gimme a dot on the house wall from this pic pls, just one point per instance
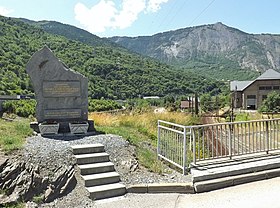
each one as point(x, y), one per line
point(260, 88)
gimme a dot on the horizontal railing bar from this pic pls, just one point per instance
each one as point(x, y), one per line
point(172, 162)
point(170, 129)
point(169, 123)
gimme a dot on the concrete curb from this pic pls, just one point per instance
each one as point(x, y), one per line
point(185, 188)
point(219, 183)
point(203, 186)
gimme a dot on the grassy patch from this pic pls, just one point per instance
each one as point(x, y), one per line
point(13, 134)
point(141, 131)
point(17, 205)
point(39, 199)
point(242, 117)
point(145, 156)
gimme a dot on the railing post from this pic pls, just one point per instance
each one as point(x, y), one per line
point(230, 139)
point(158, 142)
point(194, 147)
point(267, 136)
point(185, 152)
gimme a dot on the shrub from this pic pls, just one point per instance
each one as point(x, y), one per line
point(103, 105)
point(23, 108)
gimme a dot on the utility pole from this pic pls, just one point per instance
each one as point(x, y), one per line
point(196, 103)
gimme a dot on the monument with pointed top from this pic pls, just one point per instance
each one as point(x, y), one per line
point(61, 93)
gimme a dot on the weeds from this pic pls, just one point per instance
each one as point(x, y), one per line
point(13, 134)
point(38, 199)
point(141, 131)
point(17, 205)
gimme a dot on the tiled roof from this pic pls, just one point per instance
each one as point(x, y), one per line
point(239, 85)
point(269, 74)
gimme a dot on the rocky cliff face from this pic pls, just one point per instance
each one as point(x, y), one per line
point(209, 44)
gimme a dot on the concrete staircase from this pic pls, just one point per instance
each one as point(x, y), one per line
point(222, 174)
point(98, 172)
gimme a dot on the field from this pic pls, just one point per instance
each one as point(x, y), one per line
point(13, 134)
point(141, 131)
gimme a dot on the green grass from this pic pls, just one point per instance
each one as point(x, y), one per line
point(39, 199)
point(141, 131)
point(17, 205)
point(145, 156)
point(13, 134)
point(242, 117)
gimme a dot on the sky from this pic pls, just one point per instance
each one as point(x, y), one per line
point(107, 18)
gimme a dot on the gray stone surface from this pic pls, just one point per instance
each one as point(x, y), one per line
point(61, 93)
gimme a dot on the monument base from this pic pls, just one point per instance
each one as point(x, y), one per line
point(63, 127)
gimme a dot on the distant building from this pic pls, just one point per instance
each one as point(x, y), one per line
point(186, 104)
point(189, 103)
point(151, 97)
point(250, 94)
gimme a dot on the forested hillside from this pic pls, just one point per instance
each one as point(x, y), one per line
point(70, 32)
point(112, 72)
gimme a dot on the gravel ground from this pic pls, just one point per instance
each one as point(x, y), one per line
point(52, 153)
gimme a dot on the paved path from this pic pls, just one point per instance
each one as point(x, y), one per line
point(261, 194)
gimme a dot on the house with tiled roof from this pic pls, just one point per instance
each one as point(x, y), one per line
point(250, 94)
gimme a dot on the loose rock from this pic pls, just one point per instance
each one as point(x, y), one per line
point(51, 162)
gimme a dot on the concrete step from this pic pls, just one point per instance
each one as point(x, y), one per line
point(106, 191)
point(92, 158)
point(234, 168)
point(101, 179)
point(209, 185)
point(87, 148)
point(103, 167)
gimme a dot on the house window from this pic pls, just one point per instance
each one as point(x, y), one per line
point(264, 97)
point(251, 96)
point(268, 87)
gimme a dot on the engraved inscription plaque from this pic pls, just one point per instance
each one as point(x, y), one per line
point(63, 113)
point(61, 89)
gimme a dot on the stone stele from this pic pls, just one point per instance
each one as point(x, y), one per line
point(61, 93)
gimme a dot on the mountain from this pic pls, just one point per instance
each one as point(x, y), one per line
point(209, 48)
point(112, 72)
point(70, 32)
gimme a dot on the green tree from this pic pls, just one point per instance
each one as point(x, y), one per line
point(206, 102)
point(271, 104)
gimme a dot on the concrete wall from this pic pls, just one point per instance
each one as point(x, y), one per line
point(254, 90)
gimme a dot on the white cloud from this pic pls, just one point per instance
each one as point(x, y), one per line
point(154, 5)
point(4, 11)
point(106, 15)
point(98, 18)
point(129, 13)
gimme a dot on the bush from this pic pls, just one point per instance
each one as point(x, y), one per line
point(23, 108)
point(271, 104)
point(103, 105)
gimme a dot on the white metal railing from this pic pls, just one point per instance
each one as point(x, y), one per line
point(172, 144)
point(183, 145)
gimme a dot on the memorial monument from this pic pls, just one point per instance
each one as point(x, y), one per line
point(61, 95)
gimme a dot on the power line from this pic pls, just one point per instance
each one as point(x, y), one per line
point(178, 11)
point(202, 12)
point(168, 14)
